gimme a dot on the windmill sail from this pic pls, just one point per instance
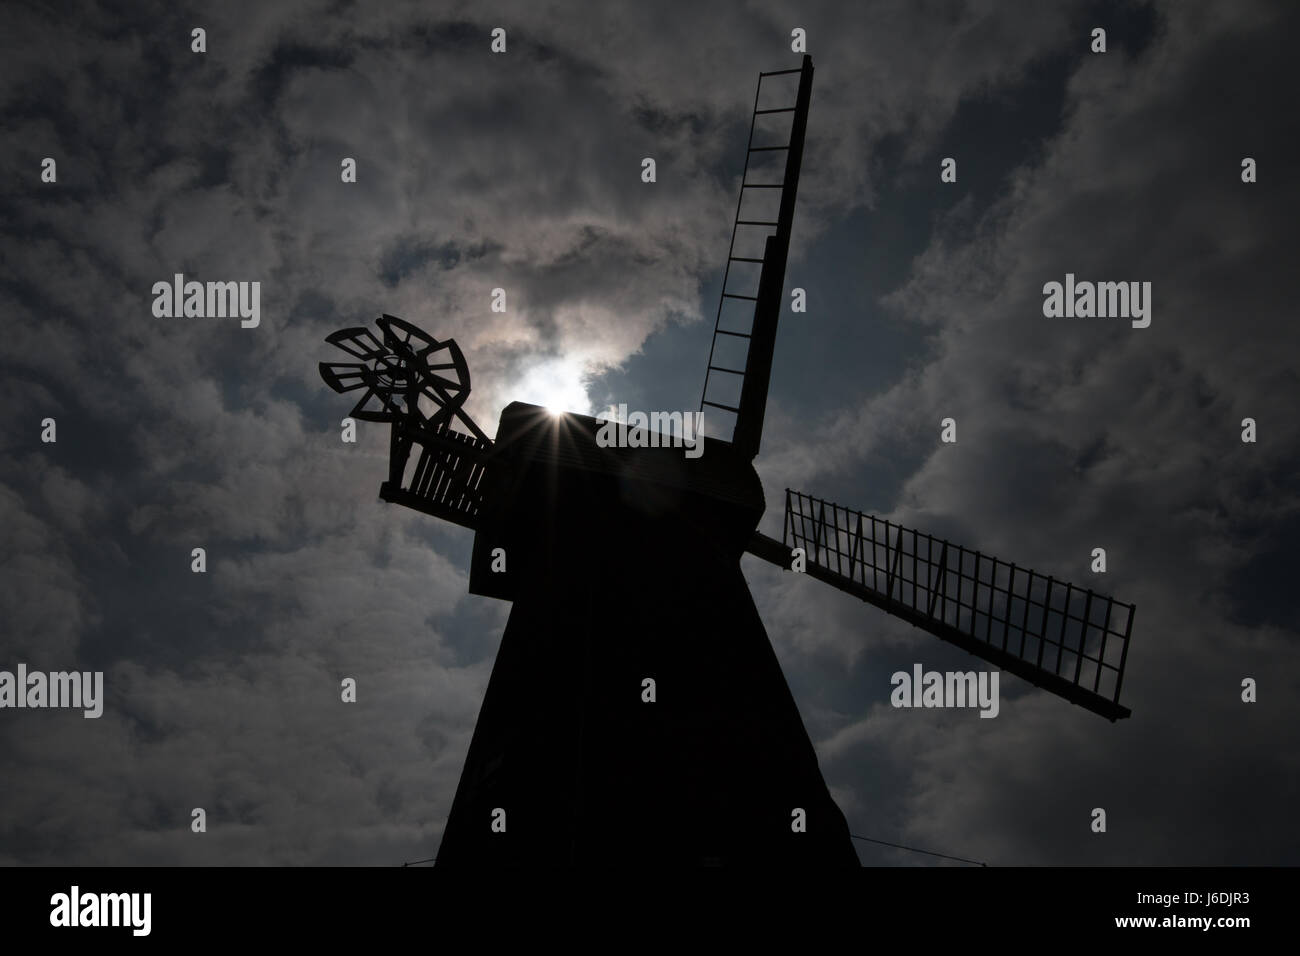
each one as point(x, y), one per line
point(1069, 640)
point(744, 332)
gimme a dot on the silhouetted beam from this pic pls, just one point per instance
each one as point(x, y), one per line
point(436, 508)
point(769, 549)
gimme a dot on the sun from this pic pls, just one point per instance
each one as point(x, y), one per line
point(558, 385)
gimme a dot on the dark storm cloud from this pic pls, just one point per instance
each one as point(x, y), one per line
point(1075, 434)
point(523, 172)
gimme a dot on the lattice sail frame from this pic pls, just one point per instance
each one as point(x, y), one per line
point(1066, 639)
point(736, 386)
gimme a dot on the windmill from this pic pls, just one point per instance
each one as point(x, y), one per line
point(636, 707)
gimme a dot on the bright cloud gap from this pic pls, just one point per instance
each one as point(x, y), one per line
point(558, 385)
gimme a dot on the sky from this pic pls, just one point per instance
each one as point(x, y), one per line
point(522, 170)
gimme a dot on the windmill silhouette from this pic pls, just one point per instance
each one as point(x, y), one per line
point(636, 707)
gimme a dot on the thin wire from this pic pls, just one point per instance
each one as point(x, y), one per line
point(899, 846)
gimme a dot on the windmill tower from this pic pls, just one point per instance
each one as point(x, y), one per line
point(636, 708)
